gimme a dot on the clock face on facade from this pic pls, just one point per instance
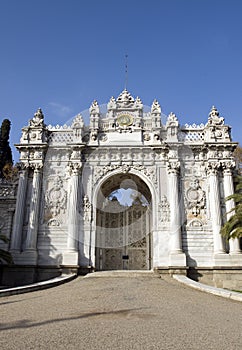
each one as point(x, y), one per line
point(125, 119)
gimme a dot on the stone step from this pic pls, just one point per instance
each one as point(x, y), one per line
point(123, 273)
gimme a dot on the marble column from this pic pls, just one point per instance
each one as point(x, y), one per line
point(215, 207)
point(175, 224)
point(73, 215)
point(31, 239)
point(229, 190)
point(16, 239)
point(176, 257)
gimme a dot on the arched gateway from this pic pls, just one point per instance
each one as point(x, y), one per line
point(123, 225)
point(67, 208)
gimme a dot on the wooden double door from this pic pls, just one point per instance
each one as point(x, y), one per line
point(123, 237)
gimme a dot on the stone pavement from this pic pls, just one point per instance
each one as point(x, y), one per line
point(120, 312)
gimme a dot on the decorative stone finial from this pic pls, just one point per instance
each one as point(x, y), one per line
point(172, 118)
point(77, 122)
point(38, 119)
point(94, 109)
point(112, 103)
point(213, 117)
point(138, 103)
point(155, 108)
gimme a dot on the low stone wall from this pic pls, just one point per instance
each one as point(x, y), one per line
point(14, 276)
point(220, 277)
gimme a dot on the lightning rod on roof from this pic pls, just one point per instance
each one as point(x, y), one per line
point(126, 71)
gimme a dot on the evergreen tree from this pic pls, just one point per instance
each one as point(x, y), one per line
point(5, 150)
point(238, 158)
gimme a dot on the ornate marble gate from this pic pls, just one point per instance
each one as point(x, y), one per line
point(123, 236)
point(55, 217)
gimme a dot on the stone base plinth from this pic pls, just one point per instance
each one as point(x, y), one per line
point(70, 258)
point(235, 259)
point(177, 259)
point(227, 259)
point(28, 257)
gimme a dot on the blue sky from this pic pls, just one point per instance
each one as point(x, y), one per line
point(60, 55)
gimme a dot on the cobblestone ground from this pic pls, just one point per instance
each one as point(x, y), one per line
point(120, 313)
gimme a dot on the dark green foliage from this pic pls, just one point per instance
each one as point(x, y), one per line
point(5, 150)
point(233, 227)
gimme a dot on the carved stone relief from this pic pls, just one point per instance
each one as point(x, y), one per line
point(87, 207)
point(164, 207)
point(125, 168)
point(195, 198)
point(55, 202)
